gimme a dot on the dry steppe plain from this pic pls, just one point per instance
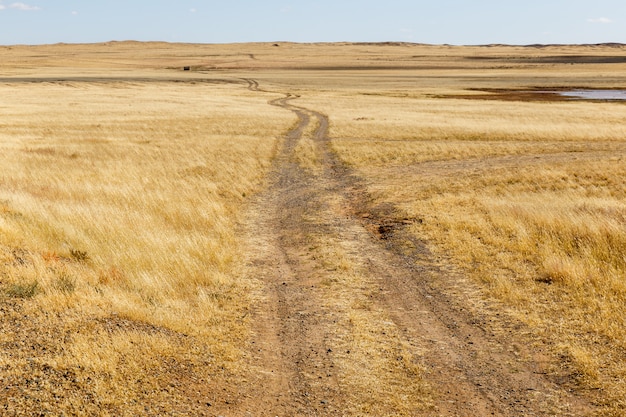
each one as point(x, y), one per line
point(311, 229)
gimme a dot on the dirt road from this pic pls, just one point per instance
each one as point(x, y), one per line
point(354, 316)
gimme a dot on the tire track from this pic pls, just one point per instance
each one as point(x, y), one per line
point(473, 363)
point(292, 331)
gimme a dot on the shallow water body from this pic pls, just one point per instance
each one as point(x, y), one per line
point(595, 94)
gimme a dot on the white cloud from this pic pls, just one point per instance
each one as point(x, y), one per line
point(193, 10)
point(603, 20)
point(2, 7)
point(24, 7)
point(74, 13)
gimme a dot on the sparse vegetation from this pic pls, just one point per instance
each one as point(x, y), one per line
point(26, 290)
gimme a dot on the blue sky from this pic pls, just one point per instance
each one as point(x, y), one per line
point(457, 22)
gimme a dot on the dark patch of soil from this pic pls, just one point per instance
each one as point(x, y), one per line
point(535, 94)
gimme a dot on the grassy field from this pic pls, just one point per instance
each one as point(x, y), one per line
point(119, 202)
point(536, 215)
point(528, 197)
point(123, 181)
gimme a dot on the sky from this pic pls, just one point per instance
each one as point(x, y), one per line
point(456, 22)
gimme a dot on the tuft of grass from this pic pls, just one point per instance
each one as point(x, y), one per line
point(65, 283)
point(79, 255)
point(28, 290)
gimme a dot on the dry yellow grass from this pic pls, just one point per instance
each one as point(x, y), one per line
point(528, 198)
point(118, 208)
point(119, 200)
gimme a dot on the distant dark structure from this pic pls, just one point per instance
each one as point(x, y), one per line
point(186, 68)
point(276, 44)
